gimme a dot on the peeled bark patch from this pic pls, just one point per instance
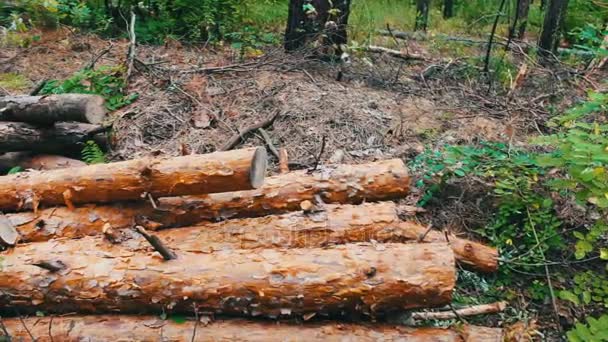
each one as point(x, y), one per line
point(340, 184)
point(353, 278)
point(48, 109)
point(149, 328)
point(130, 180)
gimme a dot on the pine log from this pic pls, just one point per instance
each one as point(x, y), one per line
point(340, 184)
point(336, 224)
point(129, 180)
point(99, 277)
point(48, 109)
point(152, 329)
point(19, 136)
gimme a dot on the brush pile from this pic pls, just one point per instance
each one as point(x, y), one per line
point(208, 236)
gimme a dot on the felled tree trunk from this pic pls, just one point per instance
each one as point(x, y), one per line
point(19, 136)
point(377, 181)
point(93, 276)
point(150, 328)
point(130, 180)
point(48, 109)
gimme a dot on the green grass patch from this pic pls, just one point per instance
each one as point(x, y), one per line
point(14, 82)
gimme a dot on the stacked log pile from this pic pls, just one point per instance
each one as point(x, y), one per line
point(50, 124)
point(207, 236)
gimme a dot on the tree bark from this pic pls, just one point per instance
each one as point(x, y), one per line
point(335, 224)
point(129, 180)
point(99, 277)
point(383, 180)
point(150, 328)
point(48, 109)
point(550, 34)
point(522, 15)
point(18, 136)
point(422, 15)
point(448, 9)
point(329, 17)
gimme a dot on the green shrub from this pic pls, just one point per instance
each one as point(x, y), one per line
point(596, 330)
point(105, 81)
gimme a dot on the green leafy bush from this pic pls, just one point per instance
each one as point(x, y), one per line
point(105, 81)
point(589, 287)
point(596, 330)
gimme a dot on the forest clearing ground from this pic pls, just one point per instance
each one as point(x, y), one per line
point(382, 108)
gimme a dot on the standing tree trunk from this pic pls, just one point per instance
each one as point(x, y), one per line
point(448, 9)
point(93, 276)
point(422, 15)
point(310, 19)
point(549, 37)
point(523, 9)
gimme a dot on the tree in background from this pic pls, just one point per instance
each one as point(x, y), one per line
point(521, 19)
point(550, 34)
point(448, 9)
point(422, 15)
point(313, 19)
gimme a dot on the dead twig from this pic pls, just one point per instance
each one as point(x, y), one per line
point(318, 158)
point(463, 312)
point(4, 331)
point(97, 57)
point(51, 328)
point(426, 232)
point(283, 161)
point(158, 245)
point(393, 53)
point(241, 134)
point(269, 143)
point(38, 87)
point(26, 328)
point(195, 322)
point(132, 42)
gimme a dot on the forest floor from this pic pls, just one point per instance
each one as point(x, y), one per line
point(193, 99)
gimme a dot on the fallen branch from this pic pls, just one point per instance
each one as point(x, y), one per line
point(269, 143)
point(393, 53)
point(464, 312)
point(242, 133)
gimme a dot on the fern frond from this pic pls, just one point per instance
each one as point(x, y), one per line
point(92, 153)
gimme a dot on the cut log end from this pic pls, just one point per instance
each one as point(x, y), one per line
point(95, 110)
point(8, 233)
point(259, 164)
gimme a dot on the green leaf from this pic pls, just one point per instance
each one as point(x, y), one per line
point(569, 296)
point(13, 170)
point(604, 253)
point(179, 319)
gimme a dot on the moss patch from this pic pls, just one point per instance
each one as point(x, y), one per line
point(14, 82)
